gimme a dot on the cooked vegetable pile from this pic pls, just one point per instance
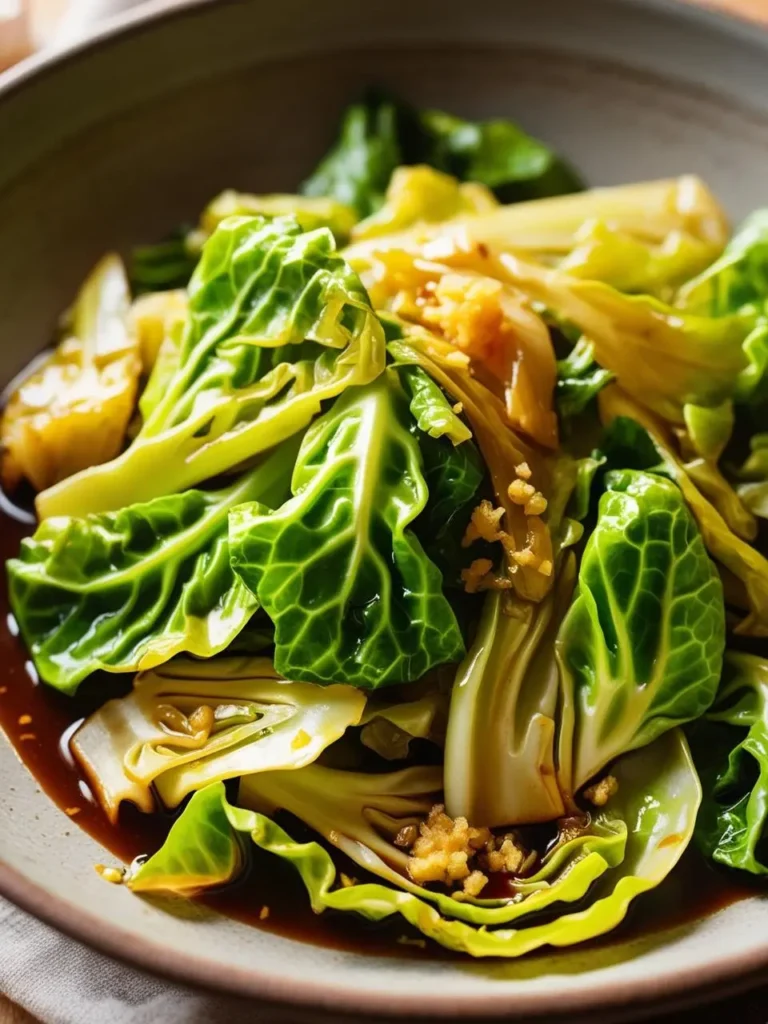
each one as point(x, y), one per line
point(427, 506)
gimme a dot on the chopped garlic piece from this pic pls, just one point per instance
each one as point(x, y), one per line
point(113, 875)
point(506, 854)
point(536, 505)
point(520, 492)
point(601, 792)
point(474, 576)
point(484, 524)
point(475, 883)
point(443, 849)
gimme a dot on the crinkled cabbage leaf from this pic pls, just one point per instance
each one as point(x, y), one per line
point(641, 647)
point(278, 323)
point(453, 471)
point(128, 590)
point(730, 748)
point(738, 278)
point(632, 847)
point(338, 568)
point(430, 408)
point(738, 282)
point(191, 723)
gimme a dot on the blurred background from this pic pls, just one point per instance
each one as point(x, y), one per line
point(27, 25)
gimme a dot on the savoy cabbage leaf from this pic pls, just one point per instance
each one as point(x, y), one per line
point(352, 594)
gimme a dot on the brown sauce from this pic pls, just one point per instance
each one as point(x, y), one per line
point(38, 722)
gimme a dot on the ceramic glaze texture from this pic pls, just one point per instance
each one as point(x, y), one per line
point(119, 140)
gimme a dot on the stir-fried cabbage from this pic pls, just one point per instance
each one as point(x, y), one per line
point(437, 549)
point(746, 564)
point(731, 751)
point(73, 410)
point(123, 591)
point(338, 568)
point(192, 722)
point(278, 323)
point(632, 849)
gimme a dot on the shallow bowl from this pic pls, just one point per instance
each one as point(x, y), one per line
point(121, 138)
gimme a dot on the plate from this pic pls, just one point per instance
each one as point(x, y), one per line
point(120, 138)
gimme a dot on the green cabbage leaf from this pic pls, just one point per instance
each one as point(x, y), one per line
point(278, 323)
point(380, 133)
point(664, 357)
point(579, 380)
point(730, 748)
point(738, 282)
point(641, 647)
point(124, 591)
point(311, 212)
point(500, 751)
point(500, 764)
point(588, 881)
point(655, 215)
point(338, 569)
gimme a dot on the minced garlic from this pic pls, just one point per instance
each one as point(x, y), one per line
point(475, 575)
point(449, 850)
point(520, 492)
point(601, 792)
point(443, 849)
point(484, 524)
point(536, 505)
